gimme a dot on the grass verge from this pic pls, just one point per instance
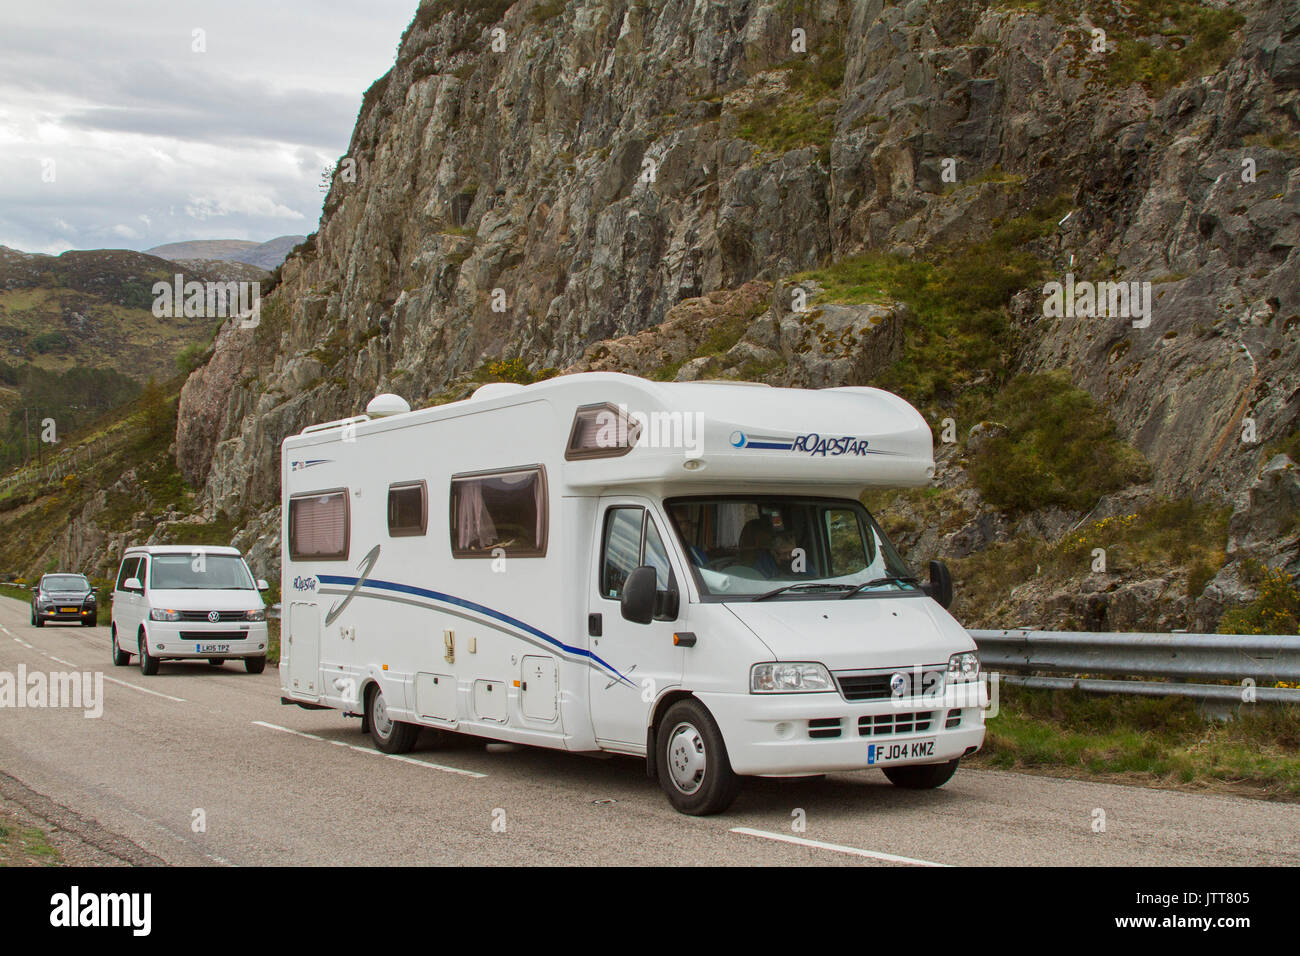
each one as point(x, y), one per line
point(23, 845)
point(1156, 742)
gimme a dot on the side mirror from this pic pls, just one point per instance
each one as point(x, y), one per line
point(132, 584)
point(262, 585)
point(638, 603)
point(939, 586)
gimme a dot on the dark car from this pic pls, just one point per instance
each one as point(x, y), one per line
point(64, 597)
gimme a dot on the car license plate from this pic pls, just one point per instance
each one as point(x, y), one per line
point(67, 610)
point(212, 648)
point(899, 750)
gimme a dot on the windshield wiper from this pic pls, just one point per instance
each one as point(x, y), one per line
point(790, 587)
point(887, 579)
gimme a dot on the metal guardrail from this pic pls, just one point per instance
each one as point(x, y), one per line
point(1162, 659)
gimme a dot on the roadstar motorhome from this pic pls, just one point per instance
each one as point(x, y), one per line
point(680, 571)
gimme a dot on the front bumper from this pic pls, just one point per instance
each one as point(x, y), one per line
point(190, 639)
point(65, 612)
point(819, 733)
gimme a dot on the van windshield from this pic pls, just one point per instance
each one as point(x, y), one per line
point(204, 572)
point(785, 548)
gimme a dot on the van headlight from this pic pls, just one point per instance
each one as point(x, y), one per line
point(258, 615)
point(797, 678)
point(963, 667)
point(164, 614)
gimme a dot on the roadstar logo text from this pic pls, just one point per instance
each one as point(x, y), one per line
point(815, 444)
point(812, 444)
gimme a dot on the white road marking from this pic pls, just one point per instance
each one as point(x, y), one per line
point(60, 660)
point(835, 847)
point(22, 642)
point(143, 690)
point(367, 750)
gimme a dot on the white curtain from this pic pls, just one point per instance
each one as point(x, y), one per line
point(474, 527)
point(730, 522)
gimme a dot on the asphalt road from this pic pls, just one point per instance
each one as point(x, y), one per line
point(285, 786)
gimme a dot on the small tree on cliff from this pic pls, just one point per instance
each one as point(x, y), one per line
point(157, 414)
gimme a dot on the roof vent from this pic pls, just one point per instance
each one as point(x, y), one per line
point(386, 404)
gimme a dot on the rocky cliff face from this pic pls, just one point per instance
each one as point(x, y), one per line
point(606, 184)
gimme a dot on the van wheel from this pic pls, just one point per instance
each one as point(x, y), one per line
point(148, 663)
point(254, 665)
point(694, 770)
point(120, 657)
point(925, 776)
point(390, 736)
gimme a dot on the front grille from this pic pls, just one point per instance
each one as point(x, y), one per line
point(214, 636)
point(824, 727)
point(875, 685)
point(882, 725)
point(222, 615)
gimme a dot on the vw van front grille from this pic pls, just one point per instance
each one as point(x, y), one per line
point(221, 615)
point(215, 636)
point(881, 725)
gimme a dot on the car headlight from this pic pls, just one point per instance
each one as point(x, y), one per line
point(164, 614)
point(90, 599)
point(963, 667)
point(259, 615)
point(798, 678)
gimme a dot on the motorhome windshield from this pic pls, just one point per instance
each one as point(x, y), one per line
point(209, 572)
point(784, 548)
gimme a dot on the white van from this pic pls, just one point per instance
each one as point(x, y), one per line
point(679, 571)
point(184, 602)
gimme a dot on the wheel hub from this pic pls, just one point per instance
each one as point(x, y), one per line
point(687, 761)
point(379, 717)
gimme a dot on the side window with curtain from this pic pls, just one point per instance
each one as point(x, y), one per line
point(318, 526)
point(504, 510)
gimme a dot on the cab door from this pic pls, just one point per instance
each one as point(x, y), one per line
point(634, 663)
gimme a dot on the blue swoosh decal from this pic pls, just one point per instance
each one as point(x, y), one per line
point(356, 583)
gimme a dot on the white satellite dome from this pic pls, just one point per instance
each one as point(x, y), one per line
point(386, 404)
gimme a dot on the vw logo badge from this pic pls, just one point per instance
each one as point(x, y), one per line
point(214, 617)
point(898, 684)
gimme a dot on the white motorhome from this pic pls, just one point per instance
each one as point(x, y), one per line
point(680, 571)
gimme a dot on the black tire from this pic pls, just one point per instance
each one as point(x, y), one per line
point(688, 734)
point(401, 736)
point(38, 622)
point(89, 621)
point(216, 661)
point(254, 665)
point(33, 615)
point(922, 776)
point(148, 663)
point(120, 657)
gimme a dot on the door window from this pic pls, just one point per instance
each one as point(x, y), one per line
point(127, 571)
point(632, 540)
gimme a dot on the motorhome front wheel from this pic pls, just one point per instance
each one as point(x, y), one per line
point(694, 770)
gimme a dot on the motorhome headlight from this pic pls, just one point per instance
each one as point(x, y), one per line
point(795, 678)
point(164, 614)
point(963, 667)
point(258, 615)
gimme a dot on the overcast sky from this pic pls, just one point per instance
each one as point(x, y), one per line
point(148, 141)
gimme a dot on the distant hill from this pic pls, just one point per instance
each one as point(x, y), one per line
point(264, 255)
point(93, 309)
point(78, 335)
